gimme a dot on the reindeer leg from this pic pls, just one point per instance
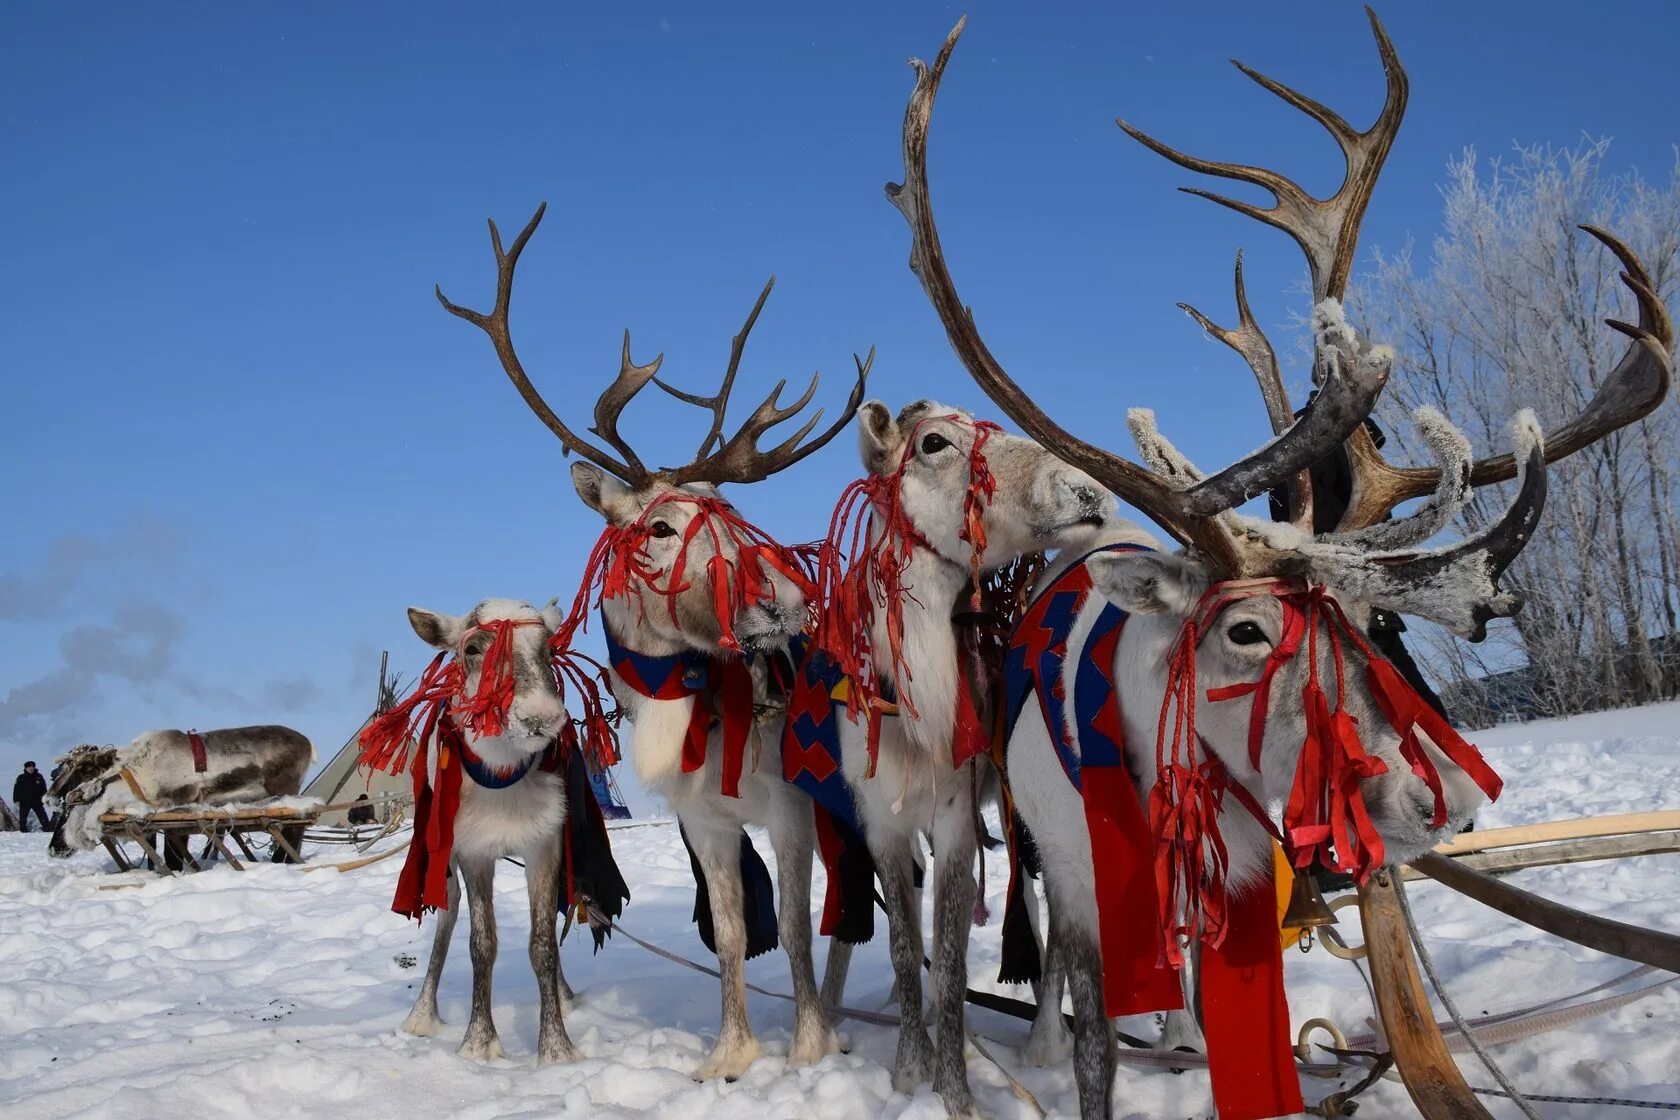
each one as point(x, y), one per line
point(1182, 1030)
point(719, 852)
point(1049, 1043)
point(481, 1043)
point(834, 973)
point(953, 916)
point(423, 1018)
point(1093, 1037)
point(914, 1062)
point(542, 886)
point(567, 995)
point(793, 836)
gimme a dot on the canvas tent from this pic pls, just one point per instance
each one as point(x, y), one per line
point(341, 779)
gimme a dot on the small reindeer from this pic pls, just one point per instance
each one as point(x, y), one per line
point(1250, 612)
point(692, 597)
point(495, 742)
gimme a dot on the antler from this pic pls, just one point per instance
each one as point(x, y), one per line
point(1327, 231)
point(1634, 388)
point(738, 459)
point(1186, 508)
point(631, 377)
point(1249, 341)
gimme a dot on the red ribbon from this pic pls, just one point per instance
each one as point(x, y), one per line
point(861, 569)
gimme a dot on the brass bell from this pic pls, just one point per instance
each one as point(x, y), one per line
point(1307, 907)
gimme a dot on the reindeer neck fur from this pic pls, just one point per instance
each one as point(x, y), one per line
point(930, 649)
point(657, 727)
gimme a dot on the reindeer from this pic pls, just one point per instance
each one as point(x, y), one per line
point(494, 715)
point(691, 597)
point(949, 500)
point(1250, 611)
point(160, 770)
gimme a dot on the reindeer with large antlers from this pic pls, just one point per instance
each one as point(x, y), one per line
point(695, 602)
point(1129, 659)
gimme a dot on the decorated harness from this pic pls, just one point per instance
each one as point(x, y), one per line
point(1160, 877)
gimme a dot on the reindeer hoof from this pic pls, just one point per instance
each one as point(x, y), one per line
point(914, 1066)
point(481, 1048)
point(812, 1047)
point(422, 1023)
point(1048, 1046)
point(730, 1062)
point(554, 1053)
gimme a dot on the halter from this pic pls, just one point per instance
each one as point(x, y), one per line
point(722, 687)
point(1326, 819)
point(619, 564)
point(441, 692)
point(858, 574)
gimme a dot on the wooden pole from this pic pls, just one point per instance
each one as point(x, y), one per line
point(1425, 1064)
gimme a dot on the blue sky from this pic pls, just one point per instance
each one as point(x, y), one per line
point(240, 435)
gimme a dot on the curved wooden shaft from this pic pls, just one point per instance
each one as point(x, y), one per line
point(1646, 946)
point(1420, 1053)
point(1615, 824)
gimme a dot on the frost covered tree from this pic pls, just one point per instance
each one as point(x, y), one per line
point(1504, 312)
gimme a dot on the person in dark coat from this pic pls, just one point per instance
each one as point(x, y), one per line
point(29, 794)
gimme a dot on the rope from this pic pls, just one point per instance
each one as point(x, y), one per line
point(1554, 1098)
point(1511, 1093)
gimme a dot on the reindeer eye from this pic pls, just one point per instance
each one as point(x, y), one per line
point(1246, 633)
point(934, 442)
point(475, 649)
point(661, 529)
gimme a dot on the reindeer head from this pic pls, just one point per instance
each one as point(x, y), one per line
point(692, 574)
point(76, 766)
point(500, 683)
point(677, 565)
point(1259, 610)
point(936, 457)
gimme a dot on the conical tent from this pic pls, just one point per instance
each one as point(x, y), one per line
point(342, 779)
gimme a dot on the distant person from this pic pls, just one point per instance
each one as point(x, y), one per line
point(360, 813)
point(29, 794)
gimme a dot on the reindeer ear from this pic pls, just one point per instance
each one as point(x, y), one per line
point(552, 616)
point(440, 631)
point(879, 440)
point(602, 493)
point(1147, 582)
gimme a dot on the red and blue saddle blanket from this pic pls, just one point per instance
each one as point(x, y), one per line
point(1062, 652)
point(811, 761)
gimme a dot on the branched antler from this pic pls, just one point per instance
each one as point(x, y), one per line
point(1457, 585)
point(737, 459)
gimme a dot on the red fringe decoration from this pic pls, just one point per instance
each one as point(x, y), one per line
point(1326, 820)
point(386, 741)
point(857, 575)
point(620, 556)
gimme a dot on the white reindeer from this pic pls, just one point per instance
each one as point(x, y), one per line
point(510, 782)
point(160, 769)
point(1249, 644)
point(923, 463)
point(690, 597)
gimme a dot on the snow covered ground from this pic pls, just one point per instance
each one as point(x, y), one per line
point(277, 994)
